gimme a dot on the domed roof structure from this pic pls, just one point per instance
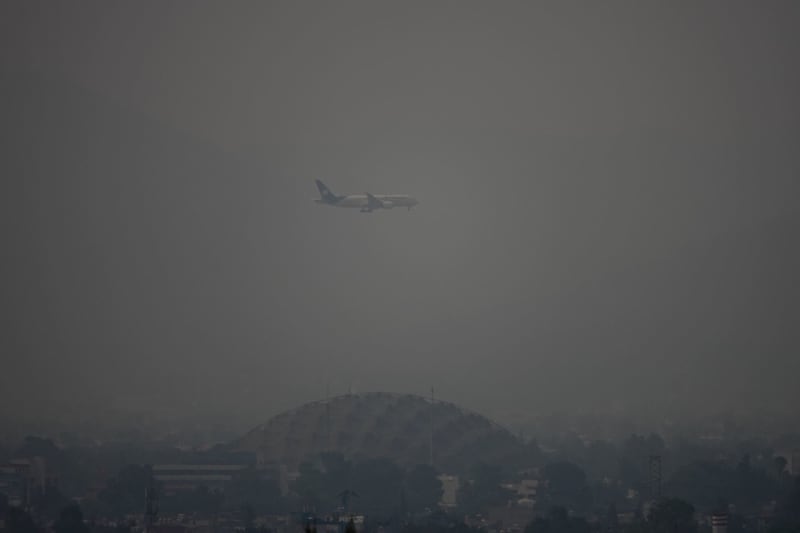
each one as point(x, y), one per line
point(395, 426)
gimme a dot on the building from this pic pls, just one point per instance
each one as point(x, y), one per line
point(449, 490)
point(12, 485)
point(719, 523)
point(179, 478)
point(277, 471)
point(21, 479)
point(527, 490)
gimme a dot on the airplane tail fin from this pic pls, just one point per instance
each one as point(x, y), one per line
point(325, 193)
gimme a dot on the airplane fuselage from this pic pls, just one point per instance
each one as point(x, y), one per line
point(362, 201)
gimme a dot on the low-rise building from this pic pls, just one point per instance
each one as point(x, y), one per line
point(178, 478)
point(449, 490)
point(20, 479)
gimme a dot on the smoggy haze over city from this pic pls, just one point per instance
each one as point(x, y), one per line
point(607, 219)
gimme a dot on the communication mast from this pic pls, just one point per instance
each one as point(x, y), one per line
point(150, 506)
point(430, 458)
point(327, 418)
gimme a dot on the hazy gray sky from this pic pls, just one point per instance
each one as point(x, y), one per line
point(607, 220)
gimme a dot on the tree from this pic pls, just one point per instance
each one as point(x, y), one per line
point(322, 480)
point(779, 463)
point(251, 488)
point(612, 522)
point(39, 447)
point(379, 484)
point(484, 489)
point(248, 516)
point(18, 521)
point(558, 521)
point(704, 483)
point(423, 489)
point(335, 465)
point(567, 484)
point(602, 460)
point(311, 486)
point(71, 521)
point(672, 515)
point(125, 492)
point(200, 500)
point(635, 450)
point(788, 519)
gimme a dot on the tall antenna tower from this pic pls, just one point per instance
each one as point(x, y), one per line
point(327, 418)
point(430, 449)
point(150, 506)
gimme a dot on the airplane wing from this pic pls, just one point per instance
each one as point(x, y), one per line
point(373, 203)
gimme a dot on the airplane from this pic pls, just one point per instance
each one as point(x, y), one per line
point(367, 202)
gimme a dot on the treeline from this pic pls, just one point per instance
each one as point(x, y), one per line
point(586, 479)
